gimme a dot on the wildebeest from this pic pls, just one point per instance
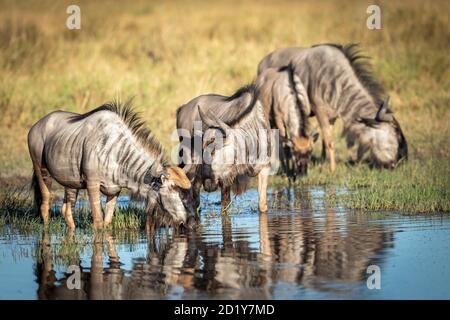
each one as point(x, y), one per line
point(340, 83)
point(244, 149)
point(286, 105)
point(103, 151)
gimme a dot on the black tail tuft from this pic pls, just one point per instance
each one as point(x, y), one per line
point(36, 190)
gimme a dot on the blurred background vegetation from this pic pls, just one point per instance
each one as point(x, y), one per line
point(166, 52)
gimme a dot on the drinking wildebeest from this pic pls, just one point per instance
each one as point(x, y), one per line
point(105, 150)
point(286, 105)
point(240, 123)
point(340, 83)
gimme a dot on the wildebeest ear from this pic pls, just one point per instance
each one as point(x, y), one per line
point(385, 114)
point(211, 121)
point(178, 177)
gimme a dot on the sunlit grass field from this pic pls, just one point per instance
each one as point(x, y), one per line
point(163, 53)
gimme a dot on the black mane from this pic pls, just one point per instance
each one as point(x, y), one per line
point(363, 70)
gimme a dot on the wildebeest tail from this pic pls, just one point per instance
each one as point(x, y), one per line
point(36, 191)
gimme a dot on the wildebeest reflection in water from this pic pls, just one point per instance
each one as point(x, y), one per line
point(323, 250)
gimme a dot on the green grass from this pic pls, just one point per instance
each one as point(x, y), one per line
point(414, 187)
point(17, 212)
point(165, 53)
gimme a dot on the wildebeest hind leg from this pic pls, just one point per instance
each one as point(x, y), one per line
point(44, 182)
point(196, 194)
point(70, 198)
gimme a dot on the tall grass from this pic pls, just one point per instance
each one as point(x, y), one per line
point(166, 52)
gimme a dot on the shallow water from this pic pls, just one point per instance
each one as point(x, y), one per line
point(302, 250)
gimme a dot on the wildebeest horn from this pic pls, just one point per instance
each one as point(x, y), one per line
point(155, 181)
point(212, 121)
point(385, 114)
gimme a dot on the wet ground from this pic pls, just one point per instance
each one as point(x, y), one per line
point(302, 249)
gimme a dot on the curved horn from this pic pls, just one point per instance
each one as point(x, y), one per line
point(385, 114)
point(211, 121)
point(302, 95)
point(153, 179)
point(239, 105)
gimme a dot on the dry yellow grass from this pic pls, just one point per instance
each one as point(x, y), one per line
point(166, 52)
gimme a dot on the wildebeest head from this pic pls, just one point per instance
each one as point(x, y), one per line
point(302, 148)
point(218, 150)
point(174, 196)
point(225, 145)
point(385, 138)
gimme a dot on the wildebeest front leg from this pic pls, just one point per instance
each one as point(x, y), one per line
point(326, 129)
point(70, 198)
point(225, 198)
point(94, 198)
point(324, 151)
point(362, 149)
point(196, 193)
point(109, 209)
point(150, 224)
point(263, 178)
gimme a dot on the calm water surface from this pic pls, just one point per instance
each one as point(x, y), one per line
point(303, 249)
